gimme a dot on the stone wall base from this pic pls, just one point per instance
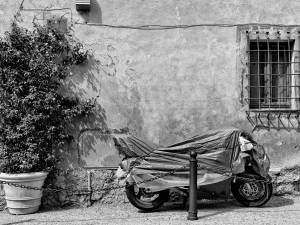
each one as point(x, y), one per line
point(77, 193)
point(286, 181)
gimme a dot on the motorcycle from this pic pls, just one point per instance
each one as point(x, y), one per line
point(230, 162)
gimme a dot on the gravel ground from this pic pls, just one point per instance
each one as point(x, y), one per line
point(279, 210)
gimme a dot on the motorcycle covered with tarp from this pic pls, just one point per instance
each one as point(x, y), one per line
point(229, 162)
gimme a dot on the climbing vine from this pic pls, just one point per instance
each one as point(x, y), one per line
point(33, 113)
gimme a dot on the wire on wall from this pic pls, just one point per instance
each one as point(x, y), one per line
point(186, 26)
point(155, 26)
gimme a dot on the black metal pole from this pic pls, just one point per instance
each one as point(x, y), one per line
point(192, 215)
point(89, 173)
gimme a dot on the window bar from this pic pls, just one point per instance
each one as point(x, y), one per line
point(278, 67)
point(284, 79)
point(277, 50)
point(269, 77)
point(278, 86)
point(279, 97)
point(290, 74)
point(286, 90)
point(258, 69)
point(276, 62)
point(248, 61)
point(288, 78)
point(269, 72)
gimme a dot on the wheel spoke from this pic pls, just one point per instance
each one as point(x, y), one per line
point(252, 190)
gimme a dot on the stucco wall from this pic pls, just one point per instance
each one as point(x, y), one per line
point(167, 84)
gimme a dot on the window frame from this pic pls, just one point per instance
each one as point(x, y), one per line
point(247, 33)
point(269, 71)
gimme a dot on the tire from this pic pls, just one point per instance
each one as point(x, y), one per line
point(138, 198)
point(251, 190)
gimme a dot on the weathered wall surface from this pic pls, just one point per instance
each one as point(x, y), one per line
point(167, 84)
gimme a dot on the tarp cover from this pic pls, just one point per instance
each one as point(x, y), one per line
point(218, 154)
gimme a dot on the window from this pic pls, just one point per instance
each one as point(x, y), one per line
point(273, 80)
point(271, 74)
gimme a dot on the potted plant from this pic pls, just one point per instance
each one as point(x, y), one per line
point(34, 114)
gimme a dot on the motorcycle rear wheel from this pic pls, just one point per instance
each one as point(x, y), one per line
point(251, 190)
point(146, 201)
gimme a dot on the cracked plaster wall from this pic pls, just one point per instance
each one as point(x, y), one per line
point(170, 84)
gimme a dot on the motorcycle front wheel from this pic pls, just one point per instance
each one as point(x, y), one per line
point(146, 201)
point(251, 190)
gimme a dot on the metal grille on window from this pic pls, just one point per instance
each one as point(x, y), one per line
point(273, 79)
point(270, 73)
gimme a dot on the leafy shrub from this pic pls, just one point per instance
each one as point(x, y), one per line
point(33, 114)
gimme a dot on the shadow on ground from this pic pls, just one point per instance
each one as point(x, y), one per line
point(225, 205)
point(278, 201)
point(215, 207)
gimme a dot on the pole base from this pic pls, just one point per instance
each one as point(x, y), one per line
point(192, 216)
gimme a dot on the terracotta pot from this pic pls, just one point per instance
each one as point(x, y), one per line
point(21, 200)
